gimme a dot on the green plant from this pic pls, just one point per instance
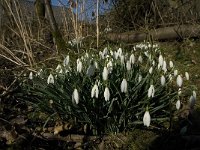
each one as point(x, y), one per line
point(110, 91)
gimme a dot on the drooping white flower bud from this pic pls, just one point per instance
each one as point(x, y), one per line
point(192, 101)
point(179, 81)
point(170, 77)
point(31, 75)
point(171, 65)
point(151, 70)
point(105, 73)
point(151, 91)
point(50, 79)
point(139, 78)
point(95, 91)
point(59, 69)
point(110, 66)
point(164, 66)
point(66, 61)
point(124, 86)
point(122, 58)
point(107, 94)
point(146, 119)
point(162, 80)
point(160, 60)
point(79, 65)
point(178, 104)
point(187, 76)
point(132, 59)
point(140, 59)
point(175, 72)
point(128, 65)
point(119, 51)
point(179, 91)
point(75, 96)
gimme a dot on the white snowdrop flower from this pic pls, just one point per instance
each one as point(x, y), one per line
point(160, 60)
point(119, 51)
point(159, 66)
point(178, 104)
point(124, 86)
point(39, 72)
point(171, 64)
point(146, 119)
point(192, 101)
point(111, 52)
point(179, 91)
point(50, 79)
point(116, 55)
point(187, 76)
point(140, 78)
point(105, 52)
point(90, 70)
point(151, 91)
point(79, 66)
point(107, 94)
point(128, 65)
point(66, 61)
point(59, 69)
point(105, 73)
point(179, 81)
point(96, 65)
point(31, 75)
point(122, 59)
point(132, 59)
point(75, 96)
point(153, 62)
point(194, 94)
point(140, 59)
point(164, 66)
point(95, 91)
point(110, 66)
point(151, 70)
point(175, 72)
point(162, 79)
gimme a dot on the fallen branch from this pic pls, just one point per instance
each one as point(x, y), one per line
point(165, 33)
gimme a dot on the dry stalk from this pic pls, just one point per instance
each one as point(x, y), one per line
point(97, 23)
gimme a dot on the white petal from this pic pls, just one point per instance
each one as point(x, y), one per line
point(75, 96)
point(132, 59)
point(178, 104)
point(105, 73)
point(187, 76)
point(50, 79)
point(192, 101)
point(147, 119)
point(107, 94)
point(179, 81)
point(151, 70)
point(66, 61)
point(160, 60)
point(171, 65)
point(124, 86)
point(31, 75)
point(128, 65)
point(162, 80)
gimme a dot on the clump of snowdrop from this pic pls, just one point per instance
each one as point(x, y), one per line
point(113, 80)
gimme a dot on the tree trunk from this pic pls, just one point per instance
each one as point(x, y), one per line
point(59, 41)
point(166, 33)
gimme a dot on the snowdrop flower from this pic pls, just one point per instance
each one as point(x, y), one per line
point(75, 96)
point(192, 101)
point(160, 60)
point(153, 62)
point(175, 72)
point(179, 81)
point(140, 59)
point(178, 104)
point(140, 78)
point(164, 66)
point(151, 91)
point(151, 70)
point(124, 86)
point(66, 61)
point(122, 59)
point(171, 65)
point(79, 65)
point(50, 79)
point(170, 77)
point(59, 69)
point(128, 65)
point(31, 75)
point(162, 79)
point(107, 94)
point(119, 51)
point(105, 73)
point(132, 59)
point(90, 70)
point(96, 65)
point(95, 91)
point(179, 91)
point(146, 119)
point(110, 66)
point(116, 55)
point(187, 76)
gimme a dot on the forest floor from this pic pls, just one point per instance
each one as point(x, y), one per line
point(15, 125)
